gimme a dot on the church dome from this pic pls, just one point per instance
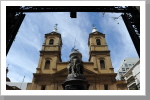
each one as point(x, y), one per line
point(94, 30)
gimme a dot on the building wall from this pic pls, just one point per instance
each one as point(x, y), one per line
point(132, 77)
point(94, 85)
point(126, 65)
point(136, 74)
point(96, 80)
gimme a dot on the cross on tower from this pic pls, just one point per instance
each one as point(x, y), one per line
point(56, 25)
point(55, 28)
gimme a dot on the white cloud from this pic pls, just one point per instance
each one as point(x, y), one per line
point(21, 64)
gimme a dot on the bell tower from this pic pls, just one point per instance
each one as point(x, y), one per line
point(49, 64)
point(50, 53)
point(99, 53)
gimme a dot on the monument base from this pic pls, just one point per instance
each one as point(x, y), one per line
point(78, 83)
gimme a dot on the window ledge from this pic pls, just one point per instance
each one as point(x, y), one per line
point(103, 68)
point(38, 68)
point(54, 68)
point(46, 68)
point(95, 68)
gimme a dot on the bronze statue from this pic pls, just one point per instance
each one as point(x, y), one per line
point(75, 66)
point(75, 79)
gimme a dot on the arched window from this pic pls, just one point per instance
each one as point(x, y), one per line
point(102, 64)
point(51, 41)
point(98, 42)
point(47, 64)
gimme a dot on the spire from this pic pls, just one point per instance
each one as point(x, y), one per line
point(94, 29)
point(55, 28)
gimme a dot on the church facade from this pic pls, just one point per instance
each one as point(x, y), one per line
point(52, 72)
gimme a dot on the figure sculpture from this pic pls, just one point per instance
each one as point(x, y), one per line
point(75, 79)
point(75, 66)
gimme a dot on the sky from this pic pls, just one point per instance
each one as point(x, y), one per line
point(23, 56)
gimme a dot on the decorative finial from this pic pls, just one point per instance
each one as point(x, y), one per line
point(56, 25)
point(55, 28)
point(94, 29)
point(72, 49)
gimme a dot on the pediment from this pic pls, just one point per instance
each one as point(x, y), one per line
point(89, 72)
point(63, 71)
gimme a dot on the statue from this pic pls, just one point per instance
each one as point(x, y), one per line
point(75, 79)
point(75, 66)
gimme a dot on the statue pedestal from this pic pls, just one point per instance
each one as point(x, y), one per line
point(75, 83)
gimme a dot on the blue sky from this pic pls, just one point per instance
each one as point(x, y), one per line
point(24, 54)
